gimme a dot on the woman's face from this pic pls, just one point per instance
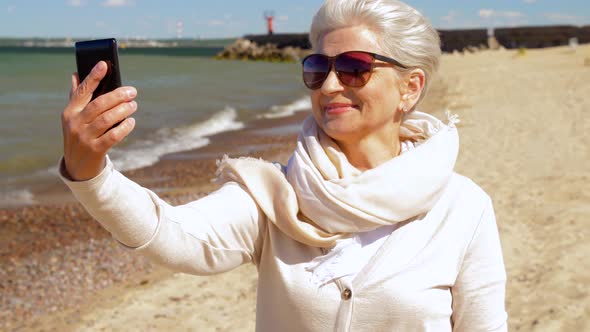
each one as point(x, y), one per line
point(354, 114)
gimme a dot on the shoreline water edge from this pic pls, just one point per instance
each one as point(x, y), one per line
point(183, 100)
point(141, 154)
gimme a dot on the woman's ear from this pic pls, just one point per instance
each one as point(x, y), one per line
point(413, 86)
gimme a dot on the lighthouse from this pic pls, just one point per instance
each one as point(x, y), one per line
point(269, 16)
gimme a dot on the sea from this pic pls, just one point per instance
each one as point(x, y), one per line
point(184, 96)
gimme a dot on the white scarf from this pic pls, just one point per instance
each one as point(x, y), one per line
point(324, 198)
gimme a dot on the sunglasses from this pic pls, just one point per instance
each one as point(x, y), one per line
point(352, 68)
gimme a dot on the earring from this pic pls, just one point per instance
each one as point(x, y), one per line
point(404, 105)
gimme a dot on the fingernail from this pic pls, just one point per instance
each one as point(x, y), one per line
point(131, 92)
point(133, 104)
point(97, 67)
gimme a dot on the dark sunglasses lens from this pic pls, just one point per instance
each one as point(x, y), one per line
point(354, 68)
point(315, 70)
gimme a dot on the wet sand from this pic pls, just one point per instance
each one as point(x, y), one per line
point(524, 139)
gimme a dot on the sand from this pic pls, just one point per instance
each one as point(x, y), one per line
point(524, 139)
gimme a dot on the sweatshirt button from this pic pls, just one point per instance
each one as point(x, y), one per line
point(346, 294)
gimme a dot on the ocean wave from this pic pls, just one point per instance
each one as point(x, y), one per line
point(168, 140)
point(281, 111)
point(16, 198)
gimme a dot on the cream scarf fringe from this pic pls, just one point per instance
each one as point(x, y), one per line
point(324, 198)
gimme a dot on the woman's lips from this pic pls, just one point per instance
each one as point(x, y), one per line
point(338, 108)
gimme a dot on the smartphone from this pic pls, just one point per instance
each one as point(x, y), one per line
point(89, 53)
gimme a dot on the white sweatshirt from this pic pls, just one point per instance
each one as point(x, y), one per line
point(441, 271)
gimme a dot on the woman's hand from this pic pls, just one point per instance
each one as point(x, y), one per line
point(86, 124)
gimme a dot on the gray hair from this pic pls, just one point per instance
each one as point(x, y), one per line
point(405, 34)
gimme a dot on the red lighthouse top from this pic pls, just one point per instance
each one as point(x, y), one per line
point(269, 22)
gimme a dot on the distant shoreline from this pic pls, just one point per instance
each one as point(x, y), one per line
point(123, 42)
point(201, 51)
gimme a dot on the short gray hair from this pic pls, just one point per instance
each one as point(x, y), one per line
point(405, 34)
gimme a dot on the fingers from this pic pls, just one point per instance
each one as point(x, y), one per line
point(83, 91)
point(108, 119)
point(75, 83)
point(114, 136)
point(106, 102)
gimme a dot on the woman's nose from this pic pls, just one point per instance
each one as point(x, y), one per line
point(331, 84)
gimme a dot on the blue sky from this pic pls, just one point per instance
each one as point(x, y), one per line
point(234, 18)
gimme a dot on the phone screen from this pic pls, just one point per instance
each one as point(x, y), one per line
point(89, 53)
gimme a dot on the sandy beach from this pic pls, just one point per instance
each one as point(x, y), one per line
point(524, 139)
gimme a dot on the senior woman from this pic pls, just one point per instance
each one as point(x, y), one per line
point(366, 228)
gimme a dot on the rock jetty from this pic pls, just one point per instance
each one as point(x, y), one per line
point(294, 46)
point(245, 49)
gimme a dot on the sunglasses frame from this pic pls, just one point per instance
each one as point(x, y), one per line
point(332, 61)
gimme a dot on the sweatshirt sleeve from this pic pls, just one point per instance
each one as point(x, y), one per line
point(480, 288)
point(211, 235)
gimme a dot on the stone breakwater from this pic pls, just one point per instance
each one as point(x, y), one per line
point(293, 47)
point(245, 49)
